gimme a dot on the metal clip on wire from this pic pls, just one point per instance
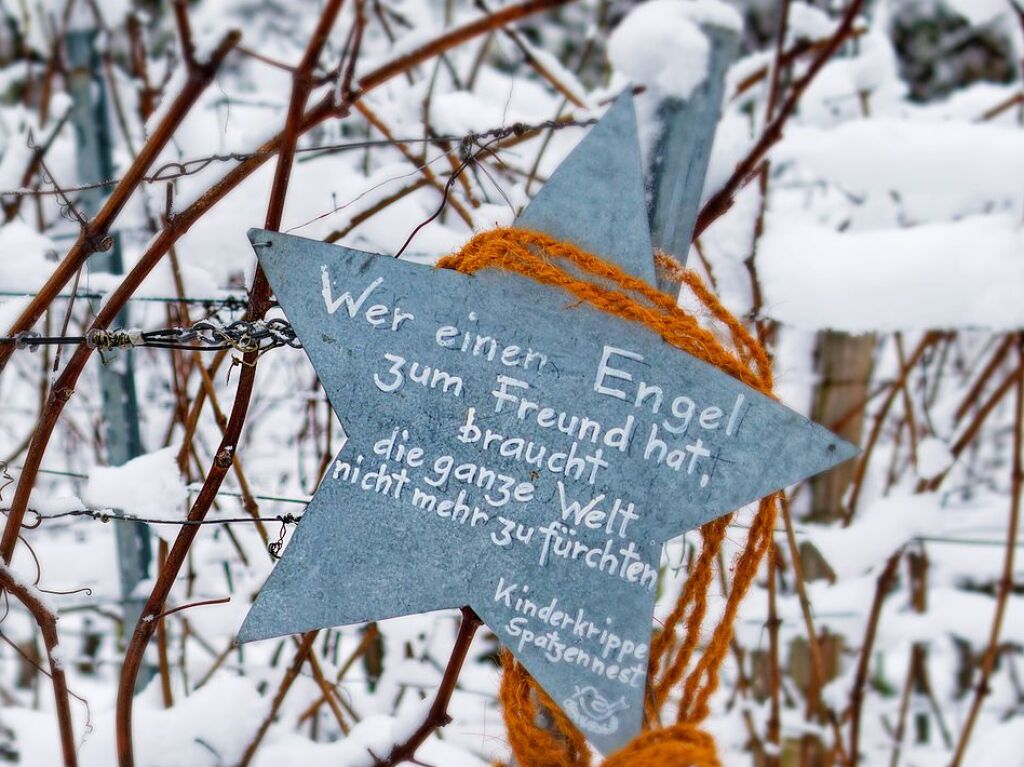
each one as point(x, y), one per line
point(108, 340)
point(24, 340)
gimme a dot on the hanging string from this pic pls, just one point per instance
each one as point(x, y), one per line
point(672, 666)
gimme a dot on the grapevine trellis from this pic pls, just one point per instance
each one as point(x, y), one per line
point(982, 372)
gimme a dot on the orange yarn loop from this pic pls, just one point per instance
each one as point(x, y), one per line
point(535, 745)
point(556, 742)
point(679, 745)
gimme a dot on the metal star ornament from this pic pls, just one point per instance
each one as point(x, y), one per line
point(511, 450)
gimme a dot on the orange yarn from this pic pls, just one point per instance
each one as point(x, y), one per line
point(535, 745)
point(605, 286)
point(679, 745)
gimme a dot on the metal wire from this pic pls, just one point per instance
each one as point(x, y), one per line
point(109, 515)
point(178, 169)
point(206, 335)
point(230, 302)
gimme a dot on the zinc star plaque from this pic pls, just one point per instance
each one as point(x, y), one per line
point(510, 449)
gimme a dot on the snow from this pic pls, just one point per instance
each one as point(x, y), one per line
point(936, 169)
point(210, 727)
point(15, 126)
point(33, 735)
point(149, 486)
point(999, 745)
point(560, 72)
point(373, 737)
point(81, 19)
point(28, 257)
point(61, 656)
point(57, 504)
point(713, 13)
point(197, 282)
point(15, 572)
point(10, 310)
point(955, 613)
point(933, 457)
point(844, 86)
point(659, 45)
point(961, 274)
point(459, 112)
point(877, 532)
point(809, 23)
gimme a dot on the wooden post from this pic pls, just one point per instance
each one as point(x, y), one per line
point(844, 365)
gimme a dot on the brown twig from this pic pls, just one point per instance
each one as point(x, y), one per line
point(884, 585)
point(358, 28)
point(327, 690)
point(774, 724)
point(163, 660)
point(789, 57)
point(971, 430)
point(139, 67)
point(370, 635)
point(190, 605)
point(63, 388)
point(535, 63)
point(1005, 587)
point(54, 64)
point(818, 676)
point(722, 200)
point(876, 429)
point(428, 175)
point(974, 393)
point(47, 623)
point(305, 647)
point(188, 48)
point(246, 51)
point(94, 235)
point(774, 90)
point(437, 716)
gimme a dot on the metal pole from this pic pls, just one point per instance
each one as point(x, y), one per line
point(120, 408)
point(680, 152)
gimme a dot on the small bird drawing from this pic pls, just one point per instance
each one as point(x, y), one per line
point(595, 706)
